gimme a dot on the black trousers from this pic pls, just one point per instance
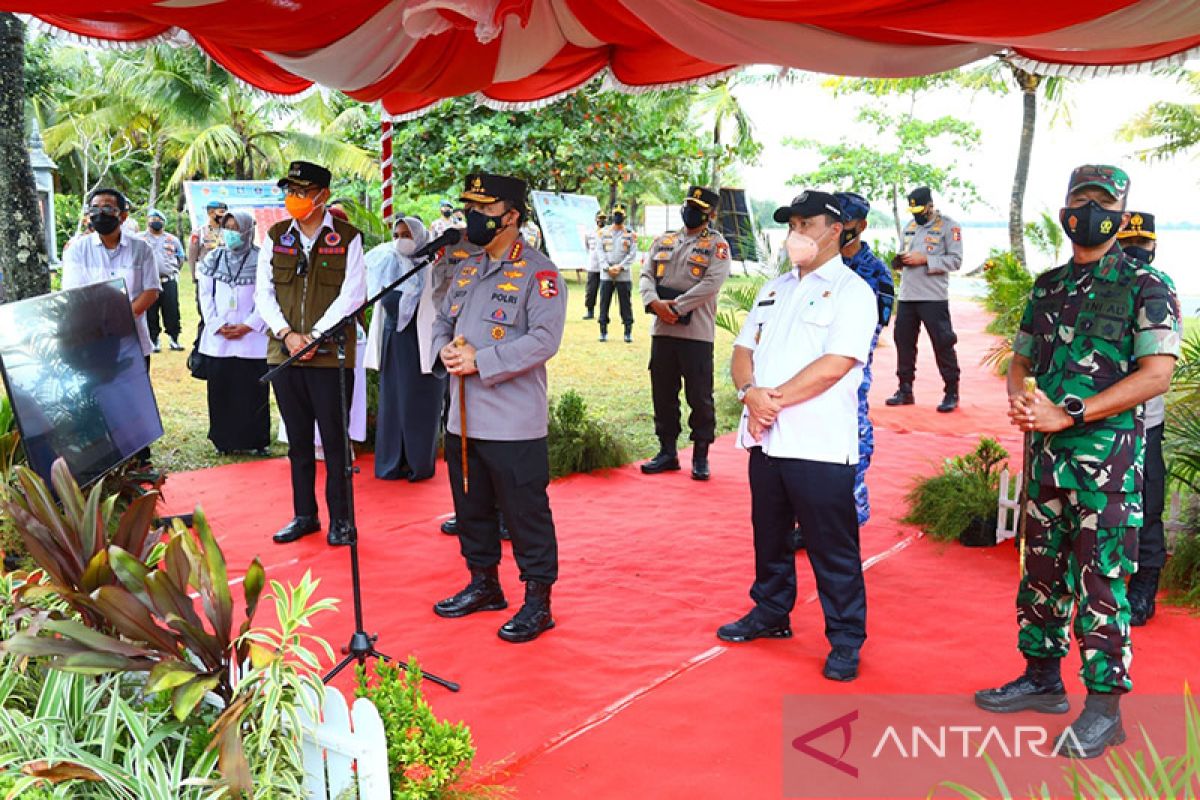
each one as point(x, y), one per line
point(166, 306)
point(623, 289)
point(1152, 546)
point(821, 497)
point(589, 295)
point(512, 477)
point(306, 395)
point(935, 315)
point(691, 362)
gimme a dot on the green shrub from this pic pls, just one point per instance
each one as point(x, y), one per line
point(963, 495)
point(426, 755)
point(578, 443)
point(1008, 287)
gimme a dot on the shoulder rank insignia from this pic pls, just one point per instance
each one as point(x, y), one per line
point(514, 273)
point(516, 250)
point(463, 282)
point(547, 284)
point(460, 254)
point(508, 287)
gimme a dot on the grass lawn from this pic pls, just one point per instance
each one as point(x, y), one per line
point(612, 378)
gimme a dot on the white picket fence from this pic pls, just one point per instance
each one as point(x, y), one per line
point(345, 752)
point(1009, 511)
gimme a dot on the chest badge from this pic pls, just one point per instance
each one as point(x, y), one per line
point(333, 239)
point(508, 286)
point(499, 315)
point(498, 332)
point(287, 240)
point(514, 273)
point(463, 282)
point(547, 284)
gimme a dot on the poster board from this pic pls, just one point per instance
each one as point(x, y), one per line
point(263, 198)
point(565, 219)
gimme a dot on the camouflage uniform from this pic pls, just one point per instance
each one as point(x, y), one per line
point(871, 269)
point(1083, 330)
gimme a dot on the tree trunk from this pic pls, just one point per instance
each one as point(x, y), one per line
point(716, 159)
point(612, 195)
point(1028, 83)
point(156, 173)
point(896, 218)
point(23, 257)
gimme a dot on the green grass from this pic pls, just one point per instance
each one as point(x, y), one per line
point(611, 377)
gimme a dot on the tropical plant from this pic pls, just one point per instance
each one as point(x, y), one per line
point(1174, 127)
point(1046, 234)
point(962, 496)
point(735, 302)
point(1008, 286)
point(719, 102)
point(578, 443)
point(427, 756)
point(1181, 442)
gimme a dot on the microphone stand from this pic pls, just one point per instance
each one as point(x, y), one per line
point(361, 645)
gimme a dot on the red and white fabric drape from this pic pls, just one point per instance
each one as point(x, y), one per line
point(410, 54)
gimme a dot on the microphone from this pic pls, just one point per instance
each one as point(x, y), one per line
point(451, 236)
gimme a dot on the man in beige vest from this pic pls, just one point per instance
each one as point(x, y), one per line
point(311, 274)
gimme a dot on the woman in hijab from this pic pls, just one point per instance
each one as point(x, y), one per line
point(410, 396)
point(235, 339)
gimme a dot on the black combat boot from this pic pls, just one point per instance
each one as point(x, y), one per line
point(1098, 727)
point(483, 593)
point(949, 399)
point(902, 397)
point(1143, 586)
point(1039, 689)
point(603, 334)
point(628, 334)
point(700, 462)
point(534, 617)
point(667, 460)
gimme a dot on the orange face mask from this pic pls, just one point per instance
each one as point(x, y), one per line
point(299, 207)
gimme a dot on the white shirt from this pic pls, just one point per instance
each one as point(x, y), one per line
point(351, 296)
point(795, 321)
point(225, 303)
point(87, 261)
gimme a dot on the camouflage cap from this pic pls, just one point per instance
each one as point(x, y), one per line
point(1113, 180)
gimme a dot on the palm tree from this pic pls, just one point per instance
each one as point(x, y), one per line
point(1176, 126)
point(720, 104)
point(22, 257)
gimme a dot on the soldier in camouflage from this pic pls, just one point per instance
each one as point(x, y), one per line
point(1100, 335)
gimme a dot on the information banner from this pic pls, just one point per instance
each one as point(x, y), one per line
point(565, 219)
point(262, 198)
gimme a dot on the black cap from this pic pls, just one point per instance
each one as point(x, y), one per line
point(305, 173)
point(703, 197)
point(483, 187)
point(921, 196)
point(619, 208)
point(601, 215)
point(1141, 225)
point(810, 204)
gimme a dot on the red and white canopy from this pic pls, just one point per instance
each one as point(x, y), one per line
point(412, 53)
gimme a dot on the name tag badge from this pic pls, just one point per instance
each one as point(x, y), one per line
point(232, 304)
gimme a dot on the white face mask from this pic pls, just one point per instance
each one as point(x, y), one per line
point(406, 247)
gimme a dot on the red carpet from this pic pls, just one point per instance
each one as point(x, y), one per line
point(632, 695)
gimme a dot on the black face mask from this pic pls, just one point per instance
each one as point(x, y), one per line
point(922, 218)
point(156, 225)
point(481, 228)
point(1140, 253)
point(693, 217)
point(446, 212)
point(104, 224)
point(618, 219)
point(1090, 225)
point(848, 236)
point(601, 222)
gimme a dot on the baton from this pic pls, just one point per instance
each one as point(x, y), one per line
point(1030, 387)
point(459, 341)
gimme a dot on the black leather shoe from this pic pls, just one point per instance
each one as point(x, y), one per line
point(700, 462)
point(748, 628)
point(902, 397)
point(1097, 728)
point(603, 336)
point(450, 527)
point(589, 315)
point(949, 400)
point(341, 533)
point(300, 526)
point(483, 593)
point(1039, 689)
point(663, 462)
point(841, 664)
point(533, 619)
point(1143, 586)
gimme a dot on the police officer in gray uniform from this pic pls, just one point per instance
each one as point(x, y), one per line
point(500, 322)
point(681, 278)
point(1139, 240)
point(591, 243)
point(618, 250)
point(932, 250)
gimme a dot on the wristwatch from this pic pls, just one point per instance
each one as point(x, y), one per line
point(742, 392)
point(1075, 408)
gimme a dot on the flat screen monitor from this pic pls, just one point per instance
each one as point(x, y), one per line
point(76, 377)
